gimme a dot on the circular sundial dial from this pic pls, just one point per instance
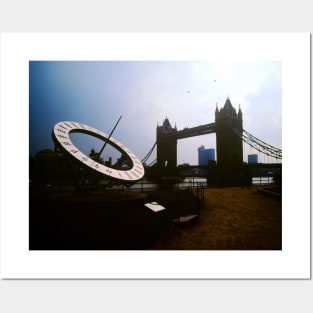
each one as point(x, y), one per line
point(130, 169)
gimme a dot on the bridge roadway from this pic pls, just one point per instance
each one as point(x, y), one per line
point(193, 131)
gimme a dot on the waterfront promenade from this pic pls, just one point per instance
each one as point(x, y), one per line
point(231, 219)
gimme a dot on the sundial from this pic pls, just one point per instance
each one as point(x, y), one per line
point(121, 174)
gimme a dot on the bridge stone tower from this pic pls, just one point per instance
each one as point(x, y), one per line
point(228, 145)
point(166, 145)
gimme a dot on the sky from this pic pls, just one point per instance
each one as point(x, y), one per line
point(144, 93)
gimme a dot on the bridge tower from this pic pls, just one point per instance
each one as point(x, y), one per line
point(228, 145)
point(166, 145)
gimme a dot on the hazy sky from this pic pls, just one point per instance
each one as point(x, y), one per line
point(145, 92)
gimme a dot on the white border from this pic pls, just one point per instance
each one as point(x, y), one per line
point(18, 262)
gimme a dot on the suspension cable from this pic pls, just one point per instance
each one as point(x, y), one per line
point(258, 144)
point(148, 154)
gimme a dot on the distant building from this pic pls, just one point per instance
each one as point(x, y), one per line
point(205, 155)
point(252, 158)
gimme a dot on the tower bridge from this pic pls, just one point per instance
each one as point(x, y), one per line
point(228, 143)
point(230, 137)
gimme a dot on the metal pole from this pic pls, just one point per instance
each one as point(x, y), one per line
point(109, 136)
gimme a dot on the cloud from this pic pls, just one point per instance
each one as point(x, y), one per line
point(145, 92)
